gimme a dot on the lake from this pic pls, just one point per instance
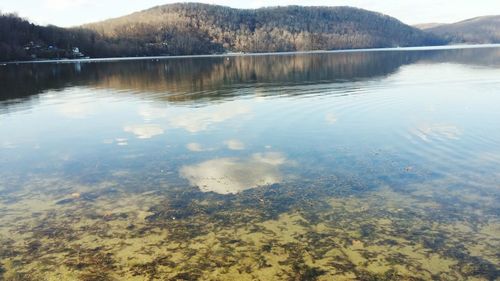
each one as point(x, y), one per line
point(369, 165)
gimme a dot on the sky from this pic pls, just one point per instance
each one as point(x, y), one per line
point(75, 12)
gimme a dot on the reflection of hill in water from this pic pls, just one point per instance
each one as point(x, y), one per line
point(213, 78)
point(218, 78)
point(487, 57)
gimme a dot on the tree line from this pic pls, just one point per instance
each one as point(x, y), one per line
point(192, 28)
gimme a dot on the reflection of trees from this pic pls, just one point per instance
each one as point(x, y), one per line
point(489, 57)
point(214, 78)
point(193, 78)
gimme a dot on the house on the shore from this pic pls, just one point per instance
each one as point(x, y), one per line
point(76, 52)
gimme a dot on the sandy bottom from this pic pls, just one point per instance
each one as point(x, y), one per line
point(280, 232)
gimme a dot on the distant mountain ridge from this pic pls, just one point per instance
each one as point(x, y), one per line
point(480, 30)
point(193, 28)
point(289, 28)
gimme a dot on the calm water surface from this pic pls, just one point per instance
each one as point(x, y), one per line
point(336, 166)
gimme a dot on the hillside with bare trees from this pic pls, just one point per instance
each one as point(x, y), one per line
point(479, 30)
point(192, 28)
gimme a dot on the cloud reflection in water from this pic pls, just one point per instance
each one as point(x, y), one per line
point(446, 131)
point(234, 175)
point(330, 118)
point(75, 110)
point(202, 119)
point(144, 131)
point(234, 144)
point(196, 147)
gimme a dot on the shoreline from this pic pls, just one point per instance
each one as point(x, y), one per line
point(113, 59)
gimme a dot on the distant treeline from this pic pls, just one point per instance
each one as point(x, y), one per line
point(22, 40)
point(184, 29)
point(479, 30)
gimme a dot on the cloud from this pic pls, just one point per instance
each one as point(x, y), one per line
point(144, 131)
point(234, 175)
point(234, 144)
point(202, 119)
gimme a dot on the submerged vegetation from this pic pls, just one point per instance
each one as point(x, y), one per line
point(292, 231)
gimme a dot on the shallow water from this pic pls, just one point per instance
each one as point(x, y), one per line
point(323, 166)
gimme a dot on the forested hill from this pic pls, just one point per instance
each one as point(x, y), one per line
point(476, 30)
point(195, 28)
point(22, 40)
point(191, 28)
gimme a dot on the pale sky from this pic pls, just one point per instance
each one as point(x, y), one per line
point(75, 12)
